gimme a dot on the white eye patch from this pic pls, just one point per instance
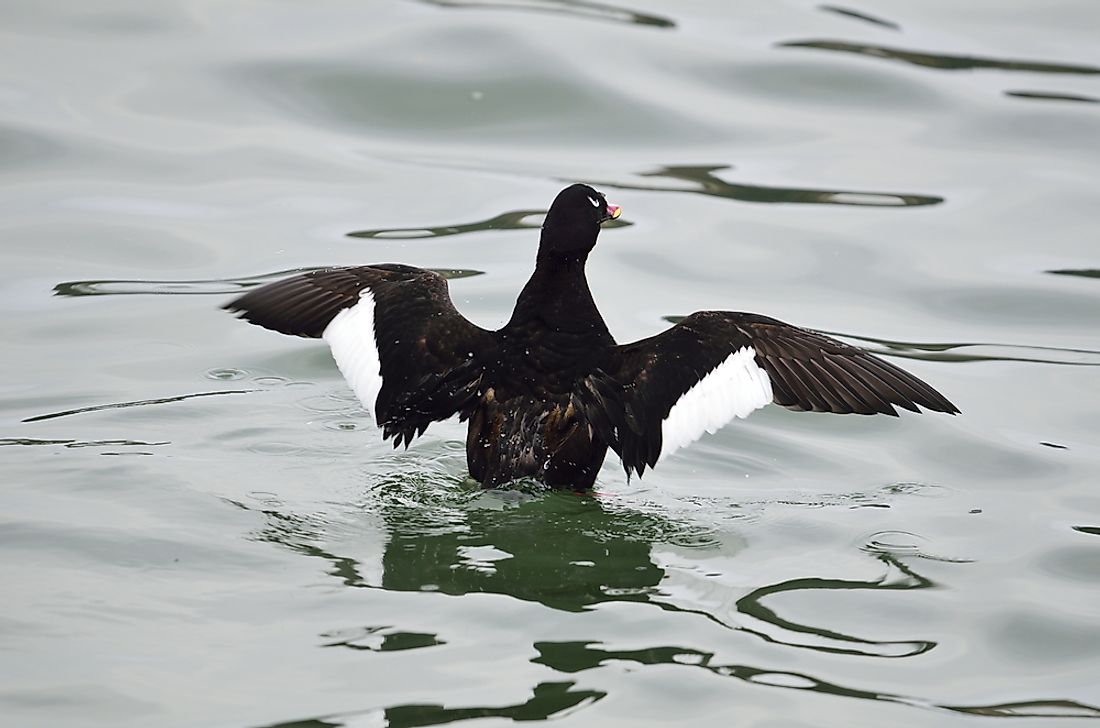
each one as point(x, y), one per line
point(594, 201)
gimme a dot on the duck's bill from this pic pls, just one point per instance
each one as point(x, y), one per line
point(613, 212)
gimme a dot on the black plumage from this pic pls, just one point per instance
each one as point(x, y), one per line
point(551, 391)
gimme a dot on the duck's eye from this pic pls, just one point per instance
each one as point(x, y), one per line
point(594, 201)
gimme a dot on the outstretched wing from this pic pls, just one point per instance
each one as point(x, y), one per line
point(410, 357)
point(658, 394)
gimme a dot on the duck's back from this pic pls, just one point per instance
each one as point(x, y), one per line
point(525, 436)
point(530, 420)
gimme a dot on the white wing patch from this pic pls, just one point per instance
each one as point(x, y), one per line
point(735, 388)
point(350, 335)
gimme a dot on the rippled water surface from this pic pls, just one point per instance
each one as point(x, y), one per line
point(202, 528)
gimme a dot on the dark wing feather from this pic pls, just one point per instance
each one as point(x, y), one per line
point(818, 373)
point(630, 397)
point(429, 354)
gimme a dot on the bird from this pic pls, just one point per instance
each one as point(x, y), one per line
point(548, 394)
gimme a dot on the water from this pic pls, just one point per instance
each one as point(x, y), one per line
point(202, 528)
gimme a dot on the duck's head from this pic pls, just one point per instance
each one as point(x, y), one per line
point(573, 222)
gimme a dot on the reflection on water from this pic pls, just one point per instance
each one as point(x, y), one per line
point(572, 657)
point(513, 220)
point(549, 700)
point(939, 61)
point(577, 8)
point(571, 553)
point(1080, 272)
point(135, 403)
point(380, 639)
point(896, 577)
point(999, 352)
point(705, 182)
point(564, 551)
point(948, 352)
point(78, 443)
point(210, 287)
point(849, 13)
point(439, 539)
point(1050, 96)
point(909, 545)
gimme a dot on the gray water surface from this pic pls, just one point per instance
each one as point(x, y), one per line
point(201, 526)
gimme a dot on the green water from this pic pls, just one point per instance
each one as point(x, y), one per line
point(201, 527)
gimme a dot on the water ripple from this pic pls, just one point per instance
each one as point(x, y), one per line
point(857, 15)
point(942, 62)
point(576, 8)
point(577, 656)
point(380, 639)
point(1052, 96)
point(930, 351)
point(1080, 272)
point(512, 220)
point(897, 577)
point(705, 182)
point(135, 403)
point(78, 443)
point(942, 352)
point(477, 542)
point(208, 287)
point(904, 543)
point(549, 700)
